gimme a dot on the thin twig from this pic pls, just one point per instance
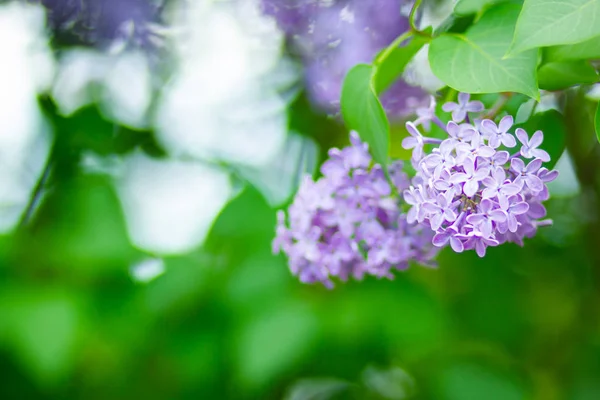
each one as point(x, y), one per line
point(36, 195)
point(500, 103)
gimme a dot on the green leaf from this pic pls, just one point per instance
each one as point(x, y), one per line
point(597, 122)
point(466, 7)
point(474, 62)
point(470, 381)
point(552, 124)
point(543, 23)
point(561, 75)
point(391, 62)
point(589, 49)
point(362, 111)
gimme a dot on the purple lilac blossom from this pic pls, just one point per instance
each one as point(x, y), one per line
point(349, 222)
point(469, 191)
point(334, 35)
point(102, 22)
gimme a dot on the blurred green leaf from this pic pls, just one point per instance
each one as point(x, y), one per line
point(474, 62)
point(589, 49)
point(597, 122)
point(561, 75)
point(468, 381)
point(43, 331)
point(390, 63)
point(542, 23)
point(552, 123)
point(272, 342)
point(363, 112)
point(316, 389)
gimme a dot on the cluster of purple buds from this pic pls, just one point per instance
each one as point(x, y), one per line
point(481, 186)
point(349, 222)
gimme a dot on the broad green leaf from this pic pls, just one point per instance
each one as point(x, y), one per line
point(390, 64)
point(552, 124)
point(545, 23)
point(561, 75)
point(597, 122)
point(362, 111)
point(473, 62)
point(589, 49)
point(466, 7)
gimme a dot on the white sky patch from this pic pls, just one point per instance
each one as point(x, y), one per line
point(26, 69)
point(123, 80)
point(221, 103)
point(170, 205)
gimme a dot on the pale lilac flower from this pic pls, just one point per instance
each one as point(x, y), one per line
point(497, 186)
point(515, 207)
point(448, 236)
point(459, 110)
point(497, 160)
point(530, 146)
point(498, 134)
point(527, 174)
point(471, 177)
point(414, 141)
point(441, 160)
point(458, 133)
point(486, 217)
point(426, 115)
point(473, 149)
point(440, 211)
point(507, 207)
point(349, 224)
point(476, 240)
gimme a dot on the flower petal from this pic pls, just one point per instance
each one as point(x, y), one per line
point(505, 123)
point(541, 154)
point(522, 136)
point(517, 165)
point(519, 208)
point(459, 178)
point(533, 166)
point(449, 106)
point(536, 139)
point(471, 187)
point(509, 140)
point(409, 142)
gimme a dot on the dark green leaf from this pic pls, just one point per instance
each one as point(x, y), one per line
point(474, 62)
point(543, 23)
point(466, 7)
point(561, 75)
point(362, 111)
point(590, 49)
point(454, 24)
point(392, 64)
point(597, 122)
point(552, 123)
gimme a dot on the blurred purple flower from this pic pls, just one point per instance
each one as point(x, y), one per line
point(332, 36)
point(102, 22)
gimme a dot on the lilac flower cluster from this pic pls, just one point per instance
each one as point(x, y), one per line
point(349, 222)
point(331, 36)
point(469, 189)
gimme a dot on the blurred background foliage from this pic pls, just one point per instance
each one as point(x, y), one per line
point(200, 308)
